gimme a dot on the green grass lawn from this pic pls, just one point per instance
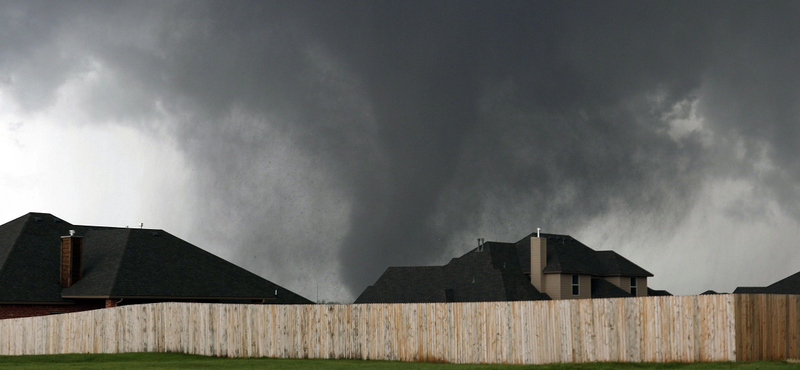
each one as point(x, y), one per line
point(180, 361)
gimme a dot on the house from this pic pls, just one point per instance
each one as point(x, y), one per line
point(789, 285)
point(563, 268)
point(48, 265)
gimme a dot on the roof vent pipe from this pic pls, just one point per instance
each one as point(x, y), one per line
point(537, 231)
point(71, 232)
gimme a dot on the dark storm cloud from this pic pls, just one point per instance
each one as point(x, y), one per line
point(426, 121)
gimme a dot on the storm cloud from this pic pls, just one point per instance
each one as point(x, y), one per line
point(326, 141)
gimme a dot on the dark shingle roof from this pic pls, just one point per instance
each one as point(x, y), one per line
point(612, 264)
point(405, 284)
point(750, 290)
point(657, 293)
point(29, 259)
point(604, 289)
point(121, 262)
point(567, 255)
point(788, 285)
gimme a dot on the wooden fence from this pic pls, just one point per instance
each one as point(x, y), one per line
point(651, 329)
point(767, 327)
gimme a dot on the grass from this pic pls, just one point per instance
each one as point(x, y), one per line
point(181, 361)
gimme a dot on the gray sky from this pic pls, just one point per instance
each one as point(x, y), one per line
point(318, 143)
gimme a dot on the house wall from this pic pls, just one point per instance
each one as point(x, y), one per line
point(552, 285)
point(641, 283)
point(10, 311)
point(585, 284)
point(617, 280)
point(559, 286)
point(624, 282)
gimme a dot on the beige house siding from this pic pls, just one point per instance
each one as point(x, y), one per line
point(586, 286)
point(641, 287)
point(624, 282)
point(552, 285)
point(559, 286)
point(538, 248)
point(616, 280)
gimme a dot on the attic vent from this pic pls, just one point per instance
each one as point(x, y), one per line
point(154, 233)
point(37, 219)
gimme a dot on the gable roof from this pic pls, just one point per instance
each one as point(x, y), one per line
point(788, 285)
point(120, 263)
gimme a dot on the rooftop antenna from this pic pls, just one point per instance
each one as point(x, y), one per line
point(537, 231)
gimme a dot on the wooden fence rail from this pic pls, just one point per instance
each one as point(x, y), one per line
point(649, 329)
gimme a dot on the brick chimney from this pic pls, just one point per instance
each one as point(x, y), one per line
point(538, 261)
point(71, 259)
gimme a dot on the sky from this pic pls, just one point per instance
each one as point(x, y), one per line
point(318, 143)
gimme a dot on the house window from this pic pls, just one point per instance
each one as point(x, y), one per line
point(576, 287)
point(633, 286)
